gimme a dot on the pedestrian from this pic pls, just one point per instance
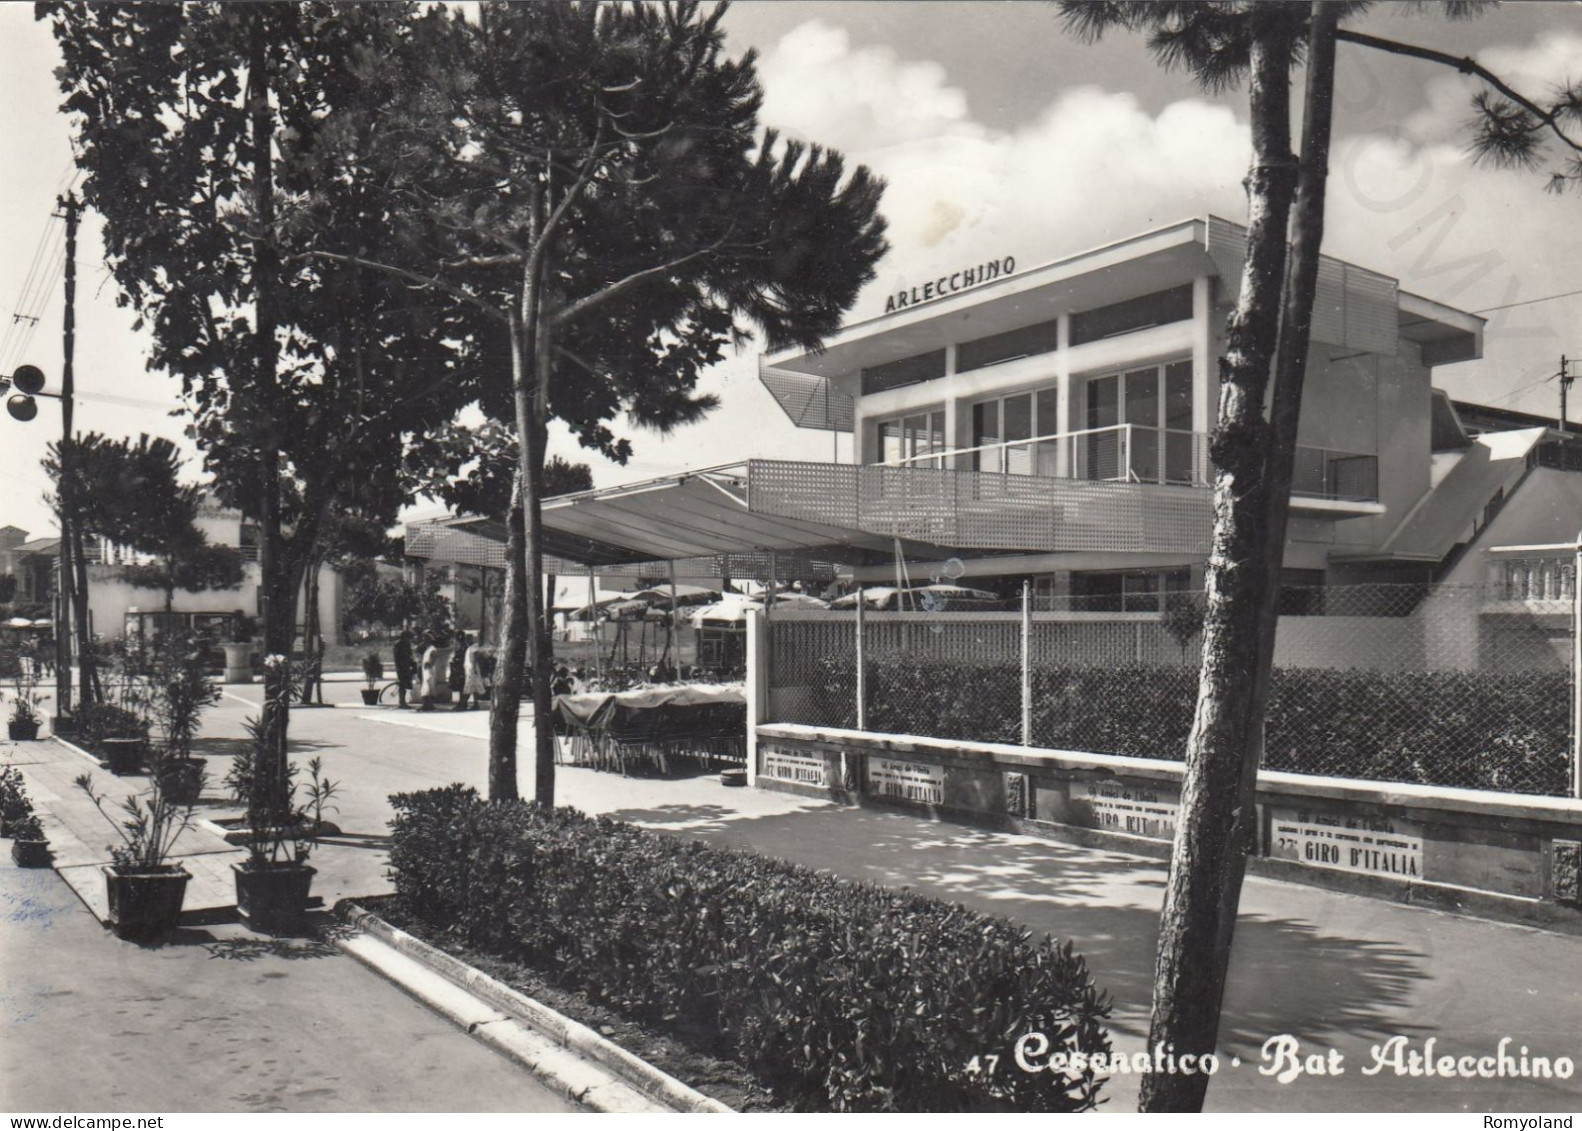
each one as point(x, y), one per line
point(475, 686)
point(46, 656)
point(430, 677)
point(458, 672)
point(28, 653)
point(562, 681)
point(405, 665)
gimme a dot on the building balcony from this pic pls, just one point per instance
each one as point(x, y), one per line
point(1531, 580)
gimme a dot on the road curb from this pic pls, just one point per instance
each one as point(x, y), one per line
point(80, 752)
point(568, 1055)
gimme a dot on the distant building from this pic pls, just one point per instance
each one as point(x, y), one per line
point(31, 562)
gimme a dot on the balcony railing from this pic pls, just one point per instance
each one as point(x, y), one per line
point(1531, 579)
point(1131, 453)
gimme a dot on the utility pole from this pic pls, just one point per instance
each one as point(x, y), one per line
point(1565, 387)
point(71, 209)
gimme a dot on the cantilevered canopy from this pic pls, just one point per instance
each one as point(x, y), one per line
point(687, 516)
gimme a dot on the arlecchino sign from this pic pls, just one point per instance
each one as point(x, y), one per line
point(950, 284)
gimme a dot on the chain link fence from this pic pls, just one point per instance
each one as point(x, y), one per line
point(1465, 686)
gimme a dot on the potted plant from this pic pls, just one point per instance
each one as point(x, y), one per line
point(239, 650)
point(30, 847)
point(182, 690)
point(14, 801)
point(25, 720)
point(373, 672)
point(145, 890)
point(274, 883)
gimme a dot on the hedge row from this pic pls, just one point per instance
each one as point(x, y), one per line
point(839, 996)
point(1476, 730)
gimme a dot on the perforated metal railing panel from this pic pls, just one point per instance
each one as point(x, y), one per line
point(988, 510)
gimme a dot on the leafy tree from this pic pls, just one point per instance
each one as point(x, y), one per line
point(132, 494)
point(592, 180)
point(1260, 42)
point(212, 137)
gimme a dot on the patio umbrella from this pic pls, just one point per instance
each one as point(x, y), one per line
point(686, 595)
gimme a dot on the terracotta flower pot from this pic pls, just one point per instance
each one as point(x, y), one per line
point(23, 732)
point(273, 899)
point(370, 697)
point(125, 755)
point(181, 779)
point(30, 853)
point(145, 904)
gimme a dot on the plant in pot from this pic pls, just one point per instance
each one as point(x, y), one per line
point(29, 846)
point(25, 720)
point(182, 690)
point(117, 734)
point(14, 801)
point(274, 882)
point(145, 889)
point(373, 672)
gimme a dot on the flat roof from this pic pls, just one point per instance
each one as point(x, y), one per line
point(1151, 261)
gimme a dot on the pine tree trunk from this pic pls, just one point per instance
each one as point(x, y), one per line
point(505, 705)
point(1224, 749)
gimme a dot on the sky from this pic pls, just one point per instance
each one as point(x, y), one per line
point(998, 134)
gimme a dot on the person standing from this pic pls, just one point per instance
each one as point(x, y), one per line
point(429, 677)
point(405, 665)
point(475, 686)
point(458, 672)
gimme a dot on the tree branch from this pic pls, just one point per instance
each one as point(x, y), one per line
point(412, 276)
point(1467, 66)
point(588, 302)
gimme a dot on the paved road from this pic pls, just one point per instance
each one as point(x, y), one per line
point(219, 1020)
point(1332, 970)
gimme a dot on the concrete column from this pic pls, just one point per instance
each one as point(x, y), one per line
point(1069, 421)
point(757, 686)
point(1205, 370)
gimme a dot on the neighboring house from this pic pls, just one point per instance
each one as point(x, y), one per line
point(116, 607)
point(31, 562)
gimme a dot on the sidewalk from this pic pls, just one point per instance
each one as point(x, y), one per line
point(1332, 970)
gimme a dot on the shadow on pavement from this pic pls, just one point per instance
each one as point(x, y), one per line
point(1287, 974)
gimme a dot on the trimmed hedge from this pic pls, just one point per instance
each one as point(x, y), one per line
point(1475, 730)
point(837, 995)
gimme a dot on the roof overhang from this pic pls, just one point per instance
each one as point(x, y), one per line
point(1154, 261)
point(1446, 335)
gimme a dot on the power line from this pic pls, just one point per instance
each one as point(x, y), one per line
point(1525, 302)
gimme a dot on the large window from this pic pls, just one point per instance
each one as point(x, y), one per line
point(1157, 309)
point(998, 423)
point(911, 439)
point(1159, 446)
point(906, 371)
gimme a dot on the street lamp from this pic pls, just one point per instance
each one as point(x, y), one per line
point(28, 380)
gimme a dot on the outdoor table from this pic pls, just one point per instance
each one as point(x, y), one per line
point(612, 729)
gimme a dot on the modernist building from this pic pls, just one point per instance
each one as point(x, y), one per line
point(1052, 423)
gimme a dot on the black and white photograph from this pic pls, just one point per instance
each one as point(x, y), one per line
point(789, 556)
